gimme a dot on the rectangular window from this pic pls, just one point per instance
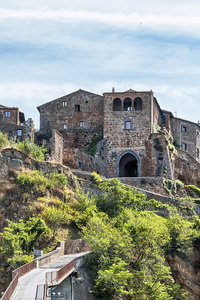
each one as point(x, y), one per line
point(19, 132)
point(77, 107)
point(163, 119)
point(64, 103)
point(197, 152)
point(184, 146)
point(128, 124)
point(7, 114)
point(184, 128)
point(81, 123)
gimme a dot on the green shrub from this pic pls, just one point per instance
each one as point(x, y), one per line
point(179, 185)
point(143, 181)
point(96, 177)
point(157, 145)
point(57, 180)
point(197, 201)
point(93, 145)
point(171, 146)
point(168, 186)
point(37, 152)
point(195, 189)
point(36, 180)
point(176, 144)
point(4, 140)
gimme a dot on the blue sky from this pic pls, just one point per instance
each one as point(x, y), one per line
point(51, 48)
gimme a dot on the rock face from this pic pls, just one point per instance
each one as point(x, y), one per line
point(13, 161)
point(186, 272)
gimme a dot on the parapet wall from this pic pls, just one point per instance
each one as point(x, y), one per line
point(155, 184)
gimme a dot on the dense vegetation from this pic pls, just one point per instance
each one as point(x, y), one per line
point(37, 152)
point(129, 236)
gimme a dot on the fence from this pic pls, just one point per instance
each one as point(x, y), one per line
point(40, 292)
point(53, 278)
point(16, 274)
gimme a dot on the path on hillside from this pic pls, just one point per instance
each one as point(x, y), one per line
point(28, 283)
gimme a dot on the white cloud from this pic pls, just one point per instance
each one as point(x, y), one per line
point(175, 23)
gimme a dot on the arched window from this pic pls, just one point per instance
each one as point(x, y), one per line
point(127, 104)
point(138, 104)
point(117, 104)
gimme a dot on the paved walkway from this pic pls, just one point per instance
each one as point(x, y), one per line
point(28, 283)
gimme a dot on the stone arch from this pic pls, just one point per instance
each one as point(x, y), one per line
point(138, 103)
point(127, 104)
point(128, 164)
point(186, 179)
point(117, 104)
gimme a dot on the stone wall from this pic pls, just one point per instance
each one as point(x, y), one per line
point(57, 146)
point(78, 116)
point(187, 133)
point(186, 272)
point(138, 140)
point(97, 163)
point(11, 130)
point(186, 168)
point(10, 115)
point(153, 184)
point(76, 246)
point(13, 161)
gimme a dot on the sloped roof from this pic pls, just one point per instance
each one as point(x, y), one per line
point(68, 96)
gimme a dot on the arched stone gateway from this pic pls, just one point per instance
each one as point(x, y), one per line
point(128, 164)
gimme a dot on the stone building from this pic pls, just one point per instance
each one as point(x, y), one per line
point(77, 116)
point(139, 138)
point(13, 123)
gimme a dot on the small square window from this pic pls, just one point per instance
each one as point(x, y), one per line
point(128, 124)
point(82, 124)
point(184, 146)
point(7, 114)
point(184, 128)
point(64, 126)
point(64, 103)
point(77, 107)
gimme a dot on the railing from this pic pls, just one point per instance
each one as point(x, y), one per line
point(52, 278)
point(66, 269)
point(11, 288)
point(16, 274)
point(48, 258)
point(24, 269)
point(40, 292)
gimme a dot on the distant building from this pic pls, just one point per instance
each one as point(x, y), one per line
point(138, 137)
point(12, 122)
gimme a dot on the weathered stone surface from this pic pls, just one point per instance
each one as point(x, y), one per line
point(130, 122)
point(187, 272)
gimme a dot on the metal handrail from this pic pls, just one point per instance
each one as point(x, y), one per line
point(52, 278)
point(16, 274)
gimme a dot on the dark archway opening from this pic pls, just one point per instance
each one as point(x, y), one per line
point(127, 104)
point(128, 166)
point(138, 104)
point(117, 104)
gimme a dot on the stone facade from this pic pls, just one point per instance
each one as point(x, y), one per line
point(12, 123)
point(187, 135)
point(135, 130)
point(57, 146)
